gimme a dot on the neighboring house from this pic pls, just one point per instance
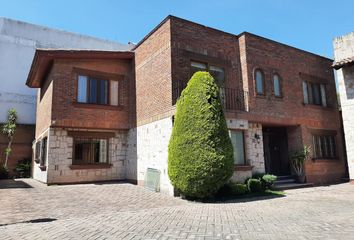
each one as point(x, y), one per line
point(344, 64)
point(276, 98)
point(18, 43)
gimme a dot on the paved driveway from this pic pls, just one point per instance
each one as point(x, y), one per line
point(125, 211)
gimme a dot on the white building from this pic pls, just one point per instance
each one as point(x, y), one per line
point(344, 64)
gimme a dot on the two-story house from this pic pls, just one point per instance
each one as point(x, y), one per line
point(276, 99)
point(84, 112)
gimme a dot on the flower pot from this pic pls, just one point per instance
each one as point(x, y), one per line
point(300, 178)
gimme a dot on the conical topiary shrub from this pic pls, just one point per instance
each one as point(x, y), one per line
point(200, 154)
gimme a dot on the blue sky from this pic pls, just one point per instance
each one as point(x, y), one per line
point(307, 24)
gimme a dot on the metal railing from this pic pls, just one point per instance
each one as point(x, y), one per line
point(231, 98)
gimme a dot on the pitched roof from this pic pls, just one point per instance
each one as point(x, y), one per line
point(43, 60)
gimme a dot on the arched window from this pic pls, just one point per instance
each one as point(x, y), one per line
point(276, 85)
point(259, 78)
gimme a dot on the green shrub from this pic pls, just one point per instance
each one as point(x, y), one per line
point(239, 189)
point(4, 172)
point(268, 180)
point(200, 153)
point(254, 185)
point(23, 168)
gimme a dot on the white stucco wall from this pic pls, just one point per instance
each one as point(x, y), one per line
point(344, 49)
point(152, 151)
point(18, 41)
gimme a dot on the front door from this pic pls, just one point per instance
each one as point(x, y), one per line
point(276, 151)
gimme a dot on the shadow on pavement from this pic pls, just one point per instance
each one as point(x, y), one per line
point(12, 183)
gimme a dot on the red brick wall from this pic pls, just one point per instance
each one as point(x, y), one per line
point(288, 62)
point(153, 76)
point(63, 89)
point(21, 145)
point(191, 41)
point(293, 66)
point(44, 104)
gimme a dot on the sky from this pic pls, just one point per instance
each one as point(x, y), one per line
point(306, 24)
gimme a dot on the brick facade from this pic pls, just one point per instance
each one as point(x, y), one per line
point(240, 55)
point(157, 71)
point(21, 146)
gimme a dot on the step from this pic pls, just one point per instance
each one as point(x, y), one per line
point(287, 186)
point(285, 177)
point(284, 181)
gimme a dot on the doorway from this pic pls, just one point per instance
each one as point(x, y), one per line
point(276, 156)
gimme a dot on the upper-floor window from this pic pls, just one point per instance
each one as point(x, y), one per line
point(259, 79)
point(97, 91)
point(276, 85)
point(218, 73)
point(314, 93)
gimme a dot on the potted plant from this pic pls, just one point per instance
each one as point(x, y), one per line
point(297, 161)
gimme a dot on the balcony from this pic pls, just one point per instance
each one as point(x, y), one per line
point(232, 99)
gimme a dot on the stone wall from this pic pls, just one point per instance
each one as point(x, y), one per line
point(37, 173)
point(59, 160)
point(152, 151)
point(254, 147)
point(131, 160)
point(343, 49)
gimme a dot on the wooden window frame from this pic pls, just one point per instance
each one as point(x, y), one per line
point(324, 134)
point(311, 92)
point(101, 77)
point(77, 137)
point(255, 81)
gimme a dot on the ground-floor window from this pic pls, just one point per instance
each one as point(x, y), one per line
point(41, 151)
point(324, 146)
point(90, 151)
point(237, 139)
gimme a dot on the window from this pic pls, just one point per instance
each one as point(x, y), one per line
point(237, 140)
point(43, 154)
point(197, 66)
point(37, 151)
point(218, 73)
point(276, 85)
point(324, 146)
point(90, 151)
point(96, 91)
point(259, 78)
point(314, 93)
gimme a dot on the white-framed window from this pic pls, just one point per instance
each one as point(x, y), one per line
point(238, 144)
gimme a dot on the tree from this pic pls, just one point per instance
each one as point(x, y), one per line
point(200, 153)
point(9, 129)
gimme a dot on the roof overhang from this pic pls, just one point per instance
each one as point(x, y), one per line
point(344, 62)
point(44, 58)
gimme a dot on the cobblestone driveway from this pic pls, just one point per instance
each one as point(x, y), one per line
point(125, 211)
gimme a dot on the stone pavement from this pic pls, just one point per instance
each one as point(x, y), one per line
point(125, 211)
